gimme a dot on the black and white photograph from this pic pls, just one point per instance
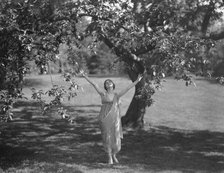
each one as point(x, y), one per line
point(111, 86)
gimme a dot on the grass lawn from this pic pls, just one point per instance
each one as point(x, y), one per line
point(184, 132)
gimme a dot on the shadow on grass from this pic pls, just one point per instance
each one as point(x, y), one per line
point(33, 138)
point(164, 148)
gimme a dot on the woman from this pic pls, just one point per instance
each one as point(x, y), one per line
point(109, 117)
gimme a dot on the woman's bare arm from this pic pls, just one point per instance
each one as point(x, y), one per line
point(99, 91)
point(124, 91)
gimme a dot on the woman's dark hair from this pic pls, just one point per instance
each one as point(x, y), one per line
point(108, 80)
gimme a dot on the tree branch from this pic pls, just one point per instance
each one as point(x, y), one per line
point(128, 57)
point(216, 36)
point(144, 49)
point(207, 17)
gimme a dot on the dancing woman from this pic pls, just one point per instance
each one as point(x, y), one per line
point(109, 116)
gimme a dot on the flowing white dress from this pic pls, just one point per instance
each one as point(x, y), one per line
point(110, 124)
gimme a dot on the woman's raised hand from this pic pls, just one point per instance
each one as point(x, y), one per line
point(140, 76)
point(121, 93)
point(81, 72)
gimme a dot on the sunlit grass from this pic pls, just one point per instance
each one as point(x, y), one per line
point(192, 108)
point(184, 132)
point(177, 106)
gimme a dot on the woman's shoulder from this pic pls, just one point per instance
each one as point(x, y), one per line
point(102, 95)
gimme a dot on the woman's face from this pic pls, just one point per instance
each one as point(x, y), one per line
point(109, 85)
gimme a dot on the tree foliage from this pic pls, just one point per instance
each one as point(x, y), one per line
point(154, 37)
point(30, 30)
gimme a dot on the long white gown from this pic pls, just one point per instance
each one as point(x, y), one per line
point(110, 124)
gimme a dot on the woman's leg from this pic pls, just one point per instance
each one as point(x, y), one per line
point(115, 158)
point(110, 157)
point(116, 148)
point(106, 144)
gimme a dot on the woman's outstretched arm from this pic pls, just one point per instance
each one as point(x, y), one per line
point(91, 82)
point(124, 91)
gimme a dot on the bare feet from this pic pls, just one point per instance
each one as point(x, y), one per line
point(110, 161)
point(115, 158)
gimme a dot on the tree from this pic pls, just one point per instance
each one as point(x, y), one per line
point(26, 34)
point(147, 38)
point(153, 41)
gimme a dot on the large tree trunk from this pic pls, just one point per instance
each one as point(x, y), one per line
point(135, 114)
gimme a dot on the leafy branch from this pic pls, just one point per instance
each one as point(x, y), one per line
point(58, 95)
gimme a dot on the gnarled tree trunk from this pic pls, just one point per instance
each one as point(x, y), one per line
point(135, 114)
